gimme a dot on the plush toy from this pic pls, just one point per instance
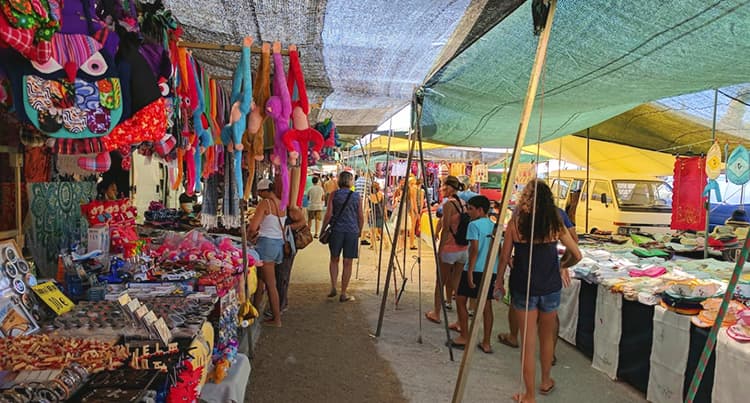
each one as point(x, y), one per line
point(298, 139)
point(242, 92)
point(279, 107)
point(253, 138)
point(28, 29)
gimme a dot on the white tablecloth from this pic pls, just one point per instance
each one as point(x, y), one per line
point(607, 331)
point(731, 383)
point(232, 388)
point(568, 312)
point(669, 356)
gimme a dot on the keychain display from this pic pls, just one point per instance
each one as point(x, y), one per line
point(10, 269)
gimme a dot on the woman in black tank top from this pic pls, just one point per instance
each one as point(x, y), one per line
point(535, 280)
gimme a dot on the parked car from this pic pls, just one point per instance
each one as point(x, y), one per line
point(621, 203)
point(178, 275)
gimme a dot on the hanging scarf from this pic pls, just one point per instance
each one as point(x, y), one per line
point(687, 203)
point(231, 217)
point(210, 199)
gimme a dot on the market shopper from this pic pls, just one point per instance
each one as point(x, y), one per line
point(267, 225)
point(452, 256)
point(295, 219)
point(511, 338)
point(330, 186)
point(531, 242)
point(374, 212)
point(315, 205)
point(343, 204)
point(479, 234)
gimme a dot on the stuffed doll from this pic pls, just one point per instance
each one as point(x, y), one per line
point(200, 125)
point(279, 107)
point(253, 138)
point(298, 139)
point(242, 96)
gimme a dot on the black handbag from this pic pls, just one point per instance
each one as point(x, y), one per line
point(325, 235)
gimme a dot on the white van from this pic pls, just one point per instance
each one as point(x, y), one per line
point(620, 203)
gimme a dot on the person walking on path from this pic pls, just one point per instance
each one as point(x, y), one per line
point(374, 212)
point(479, 235)
point(344, 212)
point(453, 256)
point(315, 207)
point(267, 225)
point(535, 279)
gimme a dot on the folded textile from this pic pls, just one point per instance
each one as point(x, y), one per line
point(654, 271)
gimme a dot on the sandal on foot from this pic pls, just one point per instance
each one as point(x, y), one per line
point(346, 298)
point(505, 339)
point(455, 327)
point(431, 319)
point(547, 390)
point(271, 322)
point(487, 351)
point(332, 293)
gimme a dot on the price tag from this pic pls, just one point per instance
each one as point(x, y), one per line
point(53, 297)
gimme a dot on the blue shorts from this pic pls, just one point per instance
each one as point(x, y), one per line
point(346, 241)
point(270, 249)
point(545, 303)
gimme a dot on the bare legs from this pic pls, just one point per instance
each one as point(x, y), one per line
point(545, 324)
point(450, 274)
point(268, 275)
point(346, 275)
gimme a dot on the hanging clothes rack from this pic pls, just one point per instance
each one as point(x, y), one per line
point(223, 47)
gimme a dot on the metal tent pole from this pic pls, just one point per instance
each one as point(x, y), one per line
point(536, 72)
point(708, 200)
point(385, 197)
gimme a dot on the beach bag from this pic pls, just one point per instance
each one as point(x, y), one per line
point(463, 226)
point(302, 237)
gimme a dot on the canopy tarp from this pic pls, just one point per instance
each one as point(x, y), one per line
point(398, 144)
point(604, 58)
point(609, 157)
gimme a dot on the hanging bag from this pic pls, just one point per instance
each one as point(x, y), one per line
point(325, 235)
point(738, 166)
point(302, 236)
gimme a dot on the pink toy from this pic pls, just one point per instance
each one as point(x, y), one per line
point(279, 107)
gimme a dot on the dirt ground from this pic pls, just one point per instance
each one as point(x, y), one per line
point(325, 352)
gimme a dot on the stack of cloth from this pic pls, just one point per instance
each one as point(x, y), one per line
point(707, 316)
point(740, 331)
point(686, 296)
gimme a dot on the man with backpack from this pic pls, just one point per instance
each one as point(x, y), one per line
point(453, 245)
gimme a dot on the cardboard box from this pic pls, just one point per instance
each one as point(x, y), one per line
point(99, 238)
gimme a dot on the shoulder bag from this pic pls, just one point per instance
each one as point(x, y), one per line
point(325, 235)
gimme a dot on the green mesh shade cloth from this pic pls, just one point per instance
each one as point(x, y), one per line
point(605, 58)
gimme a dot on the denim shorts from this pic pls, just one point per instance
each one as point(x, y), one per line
point(346, 241)
point(270, 249)
point(454, 257)
point(545, 303)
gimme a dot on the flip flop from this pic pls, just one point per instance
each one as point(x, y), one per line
point(481, 347)
point(431, 319)
point(503, 338)
point(548, 390)
point(455, 328)
point(455, 345)
point(332, 293)
point(347, 298)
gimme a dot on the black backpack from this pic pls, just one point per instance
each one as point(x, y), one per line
point(463, 226)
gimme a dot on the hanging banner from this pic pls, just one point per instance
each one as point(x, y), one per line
point(526, 172)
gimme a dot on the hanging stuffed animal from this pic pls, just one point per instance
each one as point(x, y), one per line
point(253, 138)
point(200, 125)
point(298, 139)
point(713, 169)
point(29, 28)
point(242, 96)
point(279, 107)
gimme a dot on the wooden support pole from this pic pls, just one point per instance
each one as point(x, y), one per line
point(18, 165)
point(536, 72)
point(223, 48)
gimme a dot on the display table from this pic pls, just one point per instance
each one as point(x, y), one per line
point(232, 388)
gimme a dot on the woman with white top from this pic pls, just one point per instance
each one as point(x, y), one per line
point(267, 225)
